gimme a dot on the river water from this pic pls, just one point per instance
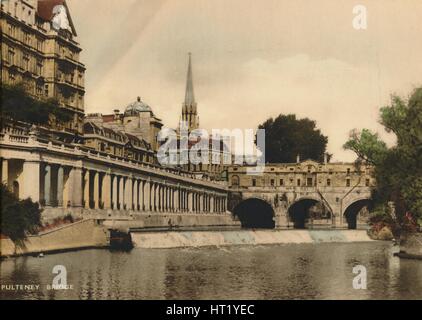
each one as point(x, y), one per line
point(299, 271)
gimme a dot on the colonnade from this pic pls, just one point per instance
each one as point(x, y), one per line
point(56, 185)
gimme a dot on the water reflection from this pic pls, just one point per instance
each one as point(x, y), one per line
point(322, 271)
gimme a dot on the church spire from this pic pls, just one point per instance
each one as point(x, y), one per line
point(189, 111)
point(189, 95)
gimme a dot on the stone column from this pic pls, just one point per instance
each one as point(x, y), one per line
point(190, 201)
point(47, 185)
point(115, 195)
point(172, 204)
point(96, 190)
point(168, 199)
point(152, 192)
point(5, 172)
point(121, 192)
point(176, 199)
point(147, 196)
point(141, 195)
point(86, 189)
point(106, 191)
point(211, 204)
point(129, 194)
point(158, 200)
point(169, 203)
point(201, 203)
point(60, 186)
point(31, 180)
point(164, 198)
point(135, 195)
point(76, 187)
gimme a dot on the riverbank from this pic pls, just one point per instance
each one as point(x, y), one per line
point(180, 239)
point(411, 246)
point(83, 234)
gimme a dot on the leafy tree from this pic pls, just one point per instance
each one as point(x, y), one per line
point(398, 169)
point(17, 104)
point(18, 217)
point(286, 137)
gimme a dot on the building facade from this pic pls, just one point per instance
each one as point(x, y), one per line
point(39, 49)
point(304, 193)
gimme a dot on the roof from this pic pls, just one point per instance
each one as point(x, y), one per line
point(137, 107)
point(189, 94)
point(46, 8)
point(123, 137)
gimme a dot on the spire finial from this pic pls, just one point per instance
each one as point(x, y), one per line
point(189, 95)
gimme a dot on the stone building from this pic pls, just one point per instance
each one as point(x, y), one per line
point(138, 120)
point(39, 49)
point(117, 143)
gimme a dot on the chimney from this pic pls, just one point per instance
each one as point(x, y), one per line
point(325, 158)
point(116, 114)
point(298, 158)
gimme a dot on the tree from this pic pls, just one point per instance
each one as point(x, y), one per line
point(398, 170)
point(17, 104)
point(286, 137)
point(18, 217)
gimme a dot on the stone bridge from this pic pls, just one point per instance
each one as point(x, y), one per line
point(300, 195)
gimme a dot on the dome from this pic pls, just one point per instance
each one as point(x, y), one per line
point(137, 107)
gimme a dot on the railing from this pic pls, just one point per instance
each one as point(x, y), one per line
point(80, 150)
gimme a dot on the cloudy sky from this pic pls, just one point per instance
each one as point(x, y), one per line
point(252, 59)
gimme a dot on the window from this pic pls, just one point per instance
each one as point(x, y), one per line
point(309, 182)
point(39, 90)
point(272, 182)
point(281, 182)
point(12, 31)
point(348, 171)
point(367, 182)
point(27, 39)
point(253, 182)
point(347, 182)
point(46, 90)
point(39, 44)
point(25, 61)
point(235, 181)
point(328, 182)
point(12, 77)
point(39, 66)
point(298, 182)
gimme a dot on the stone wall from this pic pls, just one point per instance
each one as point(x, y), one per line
point(173, 221)
point(82, 234)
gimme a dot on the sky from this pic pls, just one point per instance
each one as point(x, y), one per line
point(252, 59)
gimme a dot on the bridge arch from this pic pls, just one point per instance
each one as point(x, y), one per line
point(299, 212)
point(352, 210)
point(255, 213)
